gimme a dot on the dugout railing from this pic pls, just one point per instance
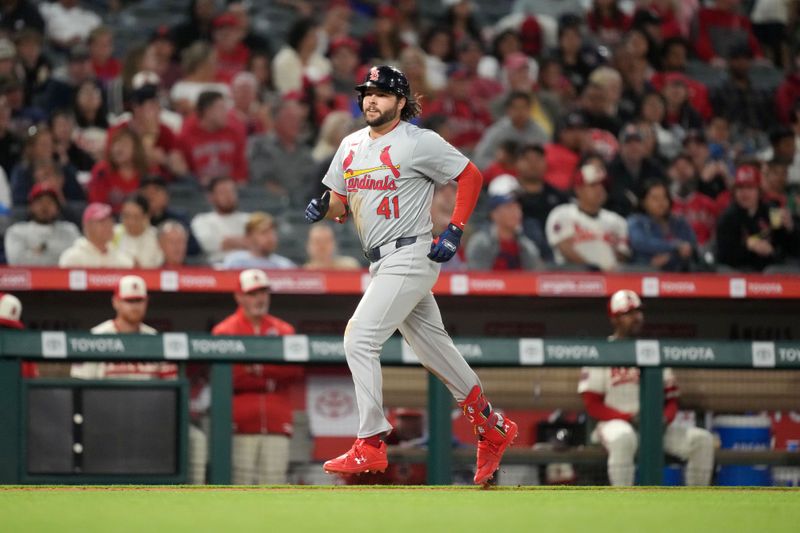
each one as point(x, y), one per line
point(650, 355)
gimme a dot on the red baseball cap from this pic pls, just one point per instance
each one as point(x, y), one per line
point(41, 189)
point(343, 42)
point(747, 176)
point(226, 19)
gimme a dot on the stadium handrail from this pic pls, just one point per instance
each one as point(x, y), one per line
point(649, 355)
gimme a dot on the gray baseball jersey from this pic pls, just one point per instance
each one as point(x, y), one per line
point(389, 181)
point(389, 184)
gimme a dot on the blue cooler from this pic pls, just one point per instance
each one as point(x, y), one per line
point(744, 433)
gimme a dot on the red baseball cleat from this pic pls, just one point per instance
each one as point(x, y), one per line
point(359, 459)
point(491, 446)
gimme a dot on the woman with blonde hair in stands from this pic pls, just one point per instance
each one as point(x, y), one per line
point(414, 64)
point(336, 126)
point(117, 175)
point(199, 65)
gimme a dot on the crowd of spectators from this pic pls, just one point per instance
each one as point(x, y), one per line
point(613, 134)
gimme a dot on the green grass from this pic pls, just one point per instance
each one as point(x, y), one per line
point(408, 510)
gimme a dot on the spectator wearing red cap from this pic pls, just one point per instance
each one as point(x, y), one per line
point(583, 233)
point(344, 53)
point(117, 176)
point(748, 237)
point(94, 249)
point(212, 145)
point(232, 53)
point(41, 240)
point(675, 60)
point(262, 411)
point(298, 59)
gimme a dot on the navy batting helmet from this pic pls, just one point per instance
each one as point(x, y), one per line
point(388, 79)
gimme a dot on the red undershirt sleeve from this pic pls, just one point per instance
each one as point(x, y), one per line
point(470, 182)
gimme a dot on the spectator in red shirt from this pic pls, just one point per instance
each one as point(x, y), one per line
point(607, 21)
point(564, 153)
point(160, 143)
point(262, 411)
point(213, 147)
point(467, 118)
point(117, 176)
point(722, 27)
point(232, 54)
point(674, 61)
point(505, 157)
point(101, 49)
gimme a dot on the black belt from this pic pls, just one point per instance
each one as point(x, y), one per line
point(381, 251)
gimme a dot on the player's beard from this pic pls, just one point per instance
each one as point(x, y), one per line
point(384, 118)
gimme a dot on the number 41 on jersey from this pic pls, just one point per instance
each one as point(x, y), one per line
point(389, 207)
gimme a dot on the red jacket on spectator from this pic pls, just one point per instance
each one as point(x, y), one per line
point(466, 120)
point(561, 166)
point(108, 71)
point(786, 95)
point(229, 64)
point(718, 25)
point(108, 186)
point(214, 153)
point(698, 92)
point(497, 169)
point(700, 211)
point(260, 392)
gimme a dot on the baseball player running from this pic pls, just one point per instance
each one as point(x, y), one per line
point(611, 396)
point(383, 177)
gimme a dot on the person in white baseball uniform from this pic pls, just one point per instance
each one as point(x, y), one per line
point(611, 396)
point(130, 304)
point(583, 233)
point(383, 177)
